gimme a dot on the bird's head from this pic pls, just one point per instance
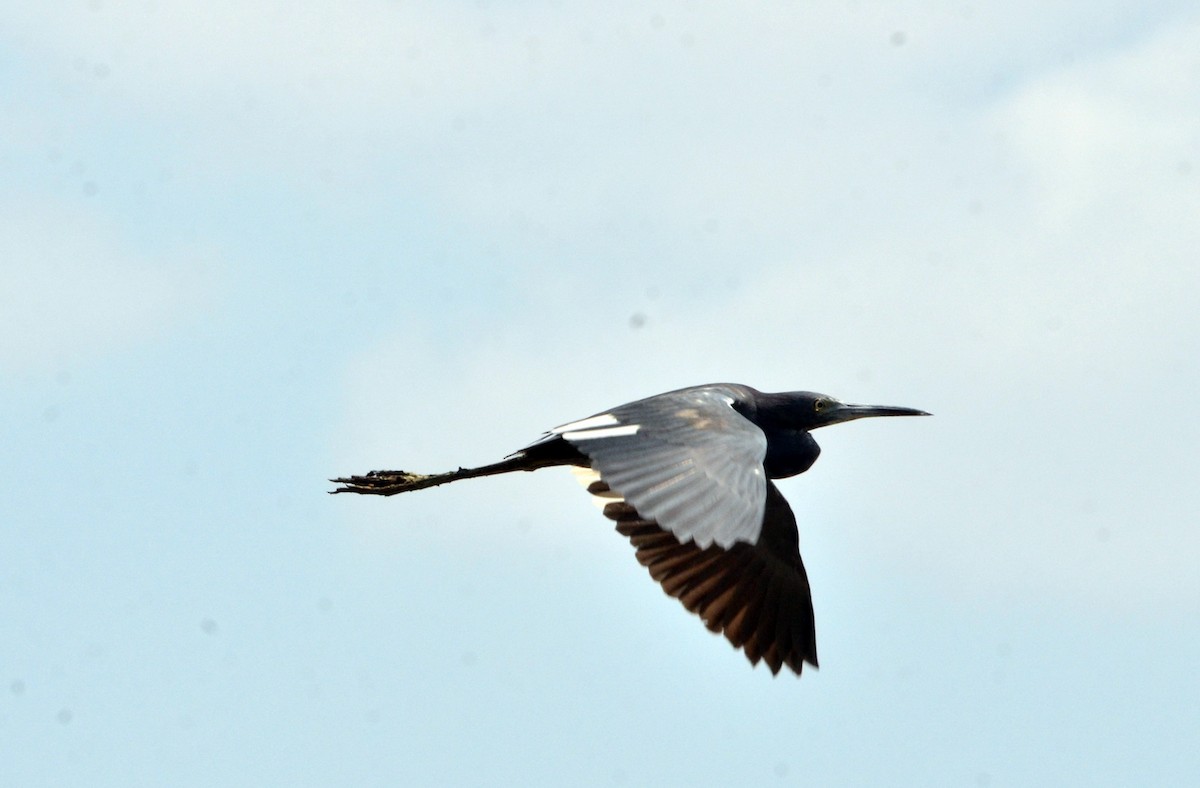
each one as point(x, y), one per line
point(814, 410)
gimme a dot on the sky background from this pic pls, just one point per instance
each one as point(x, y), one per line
point(250, 245)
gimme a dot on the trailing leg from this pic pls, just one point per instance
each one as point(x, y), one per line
point(543, 455)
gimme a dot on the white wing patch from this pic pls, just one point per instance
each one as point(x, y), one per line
point(601, 432)
point(591, 422)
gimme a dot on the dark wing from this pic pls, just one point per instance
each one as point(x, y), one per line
point(756, 594)
point(686, 460)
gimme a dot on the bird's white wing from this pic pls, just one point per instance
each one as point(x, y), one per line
point(686, 460)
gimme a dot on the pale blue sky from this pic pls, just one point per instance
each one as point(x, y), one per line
point(250, 245)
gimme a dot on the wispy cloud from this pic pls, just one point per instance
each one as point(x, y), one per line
point(75, 288)
point(1028, 265)
point(937, 193)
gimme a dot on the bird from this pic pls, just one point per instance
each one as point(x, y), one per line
point(688, 477)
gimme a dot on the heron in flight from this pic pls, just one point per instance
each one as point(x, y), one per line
point(687, 478)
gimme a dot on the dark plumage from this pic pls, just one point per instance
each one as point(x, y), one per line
point(686, 476)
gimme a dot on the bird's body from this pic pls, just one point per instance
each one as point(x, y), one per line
point(687, 475)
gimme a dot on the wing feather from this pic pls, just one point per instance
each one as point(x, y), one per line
point(757, 594)
point(688, 460)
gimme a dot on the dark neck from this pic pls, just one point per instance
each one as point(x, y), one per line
point(789, 452)
point(790, 449)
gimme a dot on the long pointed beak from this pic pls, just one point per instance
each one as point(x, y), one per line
point(846, 412)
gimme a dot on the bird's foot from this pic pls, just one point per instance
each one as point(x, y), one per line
point(383, 482)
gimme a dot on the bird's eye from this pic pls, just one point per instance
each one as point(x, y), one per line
point(819, 404)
